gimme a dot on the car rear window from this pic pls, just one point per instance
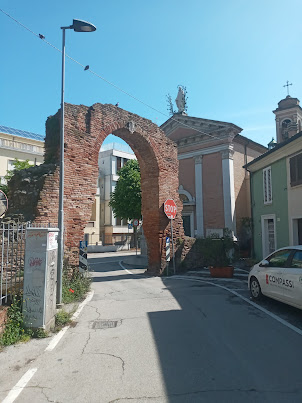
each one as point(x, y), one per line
point(297, 260)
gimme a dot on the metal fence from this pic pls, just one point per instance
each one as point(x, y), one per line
point(127, 241)
point(12, 249)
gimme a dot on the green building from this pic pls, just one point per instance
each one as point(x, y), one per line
point(276, 197)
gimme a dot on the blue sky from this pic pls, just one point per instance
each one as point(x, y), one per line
point(233, 56)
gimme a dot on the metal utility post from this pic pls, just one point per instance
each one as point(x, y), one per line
point(77, 26)
point(174, 271)
point(61, 188)
point(170, 210)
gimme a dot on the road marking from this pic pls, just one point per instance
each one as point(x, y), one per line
point(82, 304)
point(245, 271)
point(272, 315)
point(239, 289)
point(234, 280)
point(124, 268)
point(108, 261)
point(17, 389)
point(55, 340)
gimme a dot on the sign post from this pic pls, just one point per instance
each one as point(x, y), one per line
point(83, 262)
point(168, 253)
point(135, 225)
point(170, 211)
point(129, 227)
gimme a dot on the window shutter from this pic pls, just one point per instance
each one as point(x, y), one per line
point(267, 185)
point(295, 166)
point(299, 168)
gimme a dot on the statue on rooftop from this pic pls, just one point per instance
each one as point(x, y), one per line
point(181, 99)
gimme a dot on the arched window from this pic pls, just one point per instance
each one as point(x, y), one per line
point(285, 125)
point(184, 198)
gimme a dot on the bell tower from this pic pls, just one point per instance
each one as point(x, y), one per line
point(288, 118)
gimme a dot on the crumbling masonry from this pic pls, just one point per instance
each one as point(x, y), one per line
point(35, 191)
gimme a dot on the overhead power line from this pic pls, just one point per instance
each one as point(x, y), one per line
point(87, 68)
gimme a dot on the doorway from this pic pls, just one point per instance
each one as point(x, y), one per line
point(297, 231)
point(269, 242)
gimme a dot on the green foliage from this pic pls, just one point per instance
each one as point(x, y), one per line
point(62, 319)
point(179, 241)
point(37, 333)
point(245, 233)
point(126, 198)
point(217, 252)
point(74, 286)
point(18, 166)
point(14, 329)
point(4, 189)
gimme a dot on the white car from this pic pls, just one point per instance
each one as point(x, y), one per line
point(279, 276)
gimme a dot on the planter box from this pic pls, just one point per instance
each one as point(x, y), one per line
point(222, 272)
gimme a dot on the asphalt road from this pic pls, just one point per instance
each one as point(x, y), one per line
point(176, 339)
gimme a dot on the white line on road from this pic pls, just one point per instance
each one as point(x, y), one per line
point(55, 340)
point(124, 268)
point(272, 315)
point(82, 304)
point(17, 389)
point(238, 289)
point(108, 261)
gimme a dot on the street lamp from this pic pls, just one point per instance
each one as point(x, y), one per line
point(77, 26)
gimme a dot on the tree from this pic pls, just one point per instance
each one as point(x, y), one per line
point(126, 199)
point(18, 166)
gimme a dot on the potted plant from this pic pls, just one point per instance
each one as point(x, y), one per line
point(218, 255)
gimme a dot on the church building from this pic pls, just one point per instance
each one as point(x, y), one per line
point(214, 186)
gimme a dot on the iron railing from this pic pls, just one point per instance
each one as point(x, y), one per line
point(12, 249)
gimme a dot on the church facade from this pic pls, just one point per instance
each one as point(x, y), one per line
point(214, 186)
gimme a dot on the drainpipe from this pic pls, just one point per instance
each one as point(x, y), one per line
point(252, 216)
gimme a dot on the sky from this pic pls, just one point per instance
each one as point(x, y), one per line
point(232, 56)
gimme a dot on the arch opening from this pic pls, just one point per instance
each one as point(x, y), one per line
point(85, 130)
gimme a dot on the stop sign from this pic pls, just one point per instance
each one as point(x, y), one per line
point(170, 208)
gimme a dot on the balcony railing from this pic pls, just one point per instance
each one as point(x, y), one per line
point(17, 145)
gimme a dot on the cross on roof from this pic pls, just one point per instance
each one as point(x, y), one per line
point(287, 85)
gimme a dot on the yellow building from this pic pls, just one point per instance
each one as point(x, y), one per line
point(19, 144)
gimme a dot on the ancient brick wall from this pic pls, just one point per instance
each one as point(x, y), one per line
point(85, 130)
point(3, 318)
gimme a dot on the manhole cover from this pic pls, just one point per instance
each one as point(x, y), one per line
point(104, 324)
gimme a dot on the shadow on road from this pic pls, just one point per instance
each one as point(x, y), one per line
point(213, 350)
point(218, 348)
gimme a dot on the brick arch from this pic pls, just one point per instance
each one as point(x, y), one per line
point(85, 130)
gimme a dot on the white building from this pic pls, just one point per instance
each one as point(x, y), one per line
point(15, 143)
point(103, 226)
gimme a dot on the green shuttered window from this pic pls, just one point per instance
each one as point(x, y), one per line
point(296, 170)
point(267, 186)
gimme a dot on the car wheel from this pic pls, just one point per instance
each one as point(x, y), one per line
point(255, 288)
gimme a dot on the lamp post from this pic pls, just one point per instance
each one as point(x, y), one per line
point(77, 26)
